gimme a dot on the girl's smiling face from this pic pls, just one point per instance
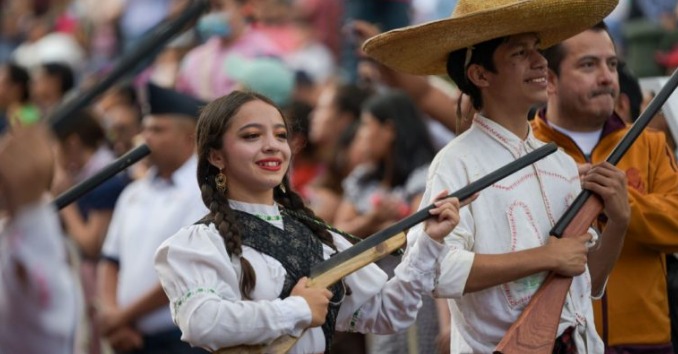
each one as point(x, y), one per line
point(255, 154)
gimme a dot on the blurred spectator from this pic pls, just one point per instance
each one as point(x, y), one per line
point(15, 105)
point(449, 111)
point(43, 44)
point(267, 76)
point(324, 17)
point(386, 14)
point(120, 94)
point(630, 96)
point(80, 154)
point(135, 316)
point(311, 57)
point(276, 20)
point(139, 16)
point(226, 31)
point(386, 189)
point(39, 301)
point(332, 131)
point(123, 126)
point(51, 83)
point(305, 166)
point(15, 15)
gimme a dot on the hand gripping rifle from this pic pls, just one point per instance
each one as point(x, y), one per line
point(383, 243)
point(535, 330)
point(61, 121)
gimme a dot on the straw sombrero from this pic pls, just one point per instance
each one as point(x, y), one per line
point(423, 49)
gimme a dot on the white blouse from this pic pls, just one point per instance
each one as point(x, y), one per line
point(202, 283)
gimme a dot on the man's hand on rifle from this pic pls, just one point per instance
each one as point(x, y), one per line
point(318, 300)
point(609, 182)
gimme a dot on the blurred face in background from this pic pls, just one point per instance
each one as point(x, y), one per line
point(374, 137)
point(122, 127)
point(226, 20)
point(170, 139)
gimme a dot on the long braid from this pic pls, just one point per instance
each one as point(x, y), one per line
point(224, 219)
point(291, 200)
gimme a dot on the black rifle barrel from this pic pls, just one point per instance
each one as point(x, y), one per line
point(109, 171)
point(622, 147)
point(423, 214)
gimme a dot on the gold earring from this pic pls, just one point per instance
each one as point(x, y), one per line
point(220, 180)
point(282, 188)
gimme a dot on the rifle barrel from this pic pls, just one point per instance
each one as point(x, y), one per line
point(107, 172)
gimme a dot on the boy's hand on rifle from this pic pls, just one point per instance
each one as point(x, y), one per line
point(318, 300)
point(445, 216)
point(609, 182)
point(569, 254)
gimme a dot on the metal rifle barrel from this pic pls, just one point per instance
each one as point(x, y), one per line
point(624, 144)
point(109, 171)
point(423, 214)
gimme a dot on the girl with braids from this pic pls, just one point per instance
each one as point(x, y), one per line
point(238, 276)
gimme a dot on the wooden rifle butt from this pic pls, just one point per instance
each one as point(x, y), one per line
point(536, 329)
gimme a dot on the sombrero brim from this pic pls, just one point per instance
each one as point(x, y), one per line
point(423, 49)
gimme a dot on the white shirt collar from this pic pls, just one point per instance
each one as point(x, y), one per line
point(515, 144)
point(184, 177)
point(586, 141)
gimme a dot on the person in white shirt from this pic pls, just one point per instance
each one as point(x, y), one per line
point(133, 307)
point(501, 250)
point(239, 276)
point(39, 301)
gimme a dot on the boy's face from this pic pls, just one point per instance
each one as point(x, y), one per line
point(521, 73)
point(588, 84)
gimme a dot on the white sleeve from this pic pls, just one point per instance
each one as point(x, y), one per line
point(455, 264)
point(203, 288)
point(380, 306)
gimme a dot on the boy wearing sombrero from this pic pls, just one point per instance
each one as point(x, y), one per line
point(501, 249)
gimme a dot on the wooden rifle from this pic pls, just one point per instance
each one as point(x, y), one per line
point(383, 243)
point(535, 329)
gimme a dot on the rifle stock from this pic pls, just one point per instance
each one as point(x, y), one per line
point(285, 343)
point(536, 328)
point(541, 311)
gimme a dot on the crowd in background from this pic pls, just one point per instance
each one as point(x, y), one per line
point(363, 136)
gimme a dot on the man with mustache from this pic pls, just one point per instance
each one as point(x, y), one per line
point(633, 315)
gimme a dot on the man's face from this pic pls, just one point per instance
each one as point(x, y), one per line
point(521, 73)
point(167, 138)
point(588, 85)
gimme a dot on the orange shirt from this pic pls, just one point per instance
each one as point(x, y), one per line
point(636, 300)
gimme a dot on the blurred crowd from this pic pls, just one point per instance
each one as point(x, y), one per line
point(363, 134)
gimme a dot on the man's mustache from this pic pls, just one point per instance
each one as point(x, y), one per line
point(604, 91)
